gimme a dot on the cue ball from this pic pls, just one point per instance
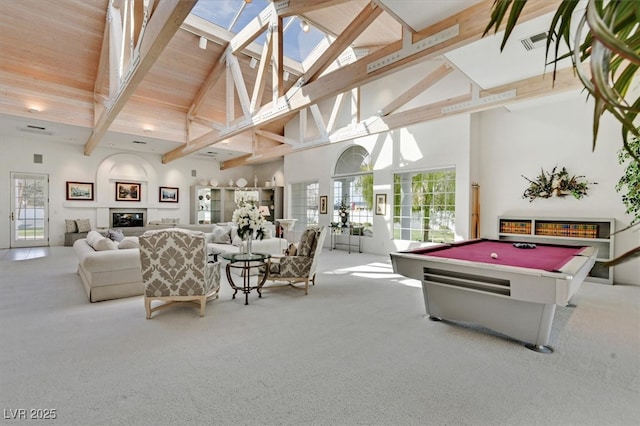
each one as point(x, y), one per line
point(494, 255)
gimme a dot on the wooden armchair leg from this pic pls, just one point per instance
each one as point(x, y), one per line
point(147, 307)
point(203, 304)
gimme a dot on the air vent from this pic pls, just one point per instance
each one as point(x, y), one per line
point(36, 129)
point(208, 154)
point(535, 41)
point(140, 142)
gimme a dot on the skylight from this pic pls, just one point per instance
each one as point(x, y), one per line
point(233, 15)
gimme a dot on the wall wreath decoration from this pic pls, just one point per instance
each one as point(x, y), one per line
point(558, 183)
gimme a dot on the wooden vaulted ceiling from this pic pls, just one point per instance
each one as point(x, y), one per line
point(57, 57)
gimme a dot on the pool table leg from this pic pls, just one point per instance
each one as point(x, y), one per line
point(544, 330)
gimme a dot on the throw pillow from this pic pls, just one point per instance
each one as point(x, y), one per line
point(84, 225)
point(70, 226)
point(105, 244)
point(291, 250)
point(129, 243)
point(235, 238)
point(100, 243)
point(268, 233)
point(93, 237)
point(115, 235)
point(220, 235)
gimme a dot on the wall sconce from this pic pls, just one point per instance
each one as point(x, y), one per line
point(202, 44)
point(304, 25)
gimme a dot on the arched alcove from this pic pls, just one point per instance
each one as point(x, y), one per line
point(125, 168)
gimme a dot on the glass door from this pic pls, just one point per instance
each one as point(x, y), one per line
point(29, 210)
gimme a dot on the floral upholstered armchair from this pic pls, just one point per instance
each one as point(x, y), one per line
point(175, 269)
point(301, 267)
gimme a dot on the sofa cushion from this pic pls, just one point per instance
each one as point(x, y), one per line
point(84, 225)
point(236, 240)
point(129, 243)
point(220, 235)
point(115, 235)
point(99, 242)
point(70, 226)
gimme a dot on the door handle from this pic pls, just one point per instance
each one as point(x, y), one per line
point(12, 216)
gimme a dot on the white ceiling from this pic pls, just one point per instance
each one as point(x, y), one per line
point(16, 128)
point(419, 14)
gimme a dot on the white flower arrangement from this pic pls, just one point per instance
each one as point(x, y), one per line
point(249, 220)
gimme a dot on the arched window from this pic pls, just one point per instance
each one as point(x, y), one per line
point(353, 188)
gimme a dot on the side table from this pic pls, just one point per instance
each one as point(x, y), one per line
point(352, 232)
point(244, 262)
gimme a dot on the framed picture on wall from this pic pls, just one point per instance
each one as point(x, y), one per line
point(381, 204)
point(127, 191)
point(323, 204)
point(80, 191)
point(168, 194)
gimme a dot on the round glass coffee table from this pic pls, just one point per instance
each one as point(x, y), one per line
point(244, 263)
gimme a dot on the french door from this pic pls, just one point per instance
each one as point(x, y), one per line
point(29, 210)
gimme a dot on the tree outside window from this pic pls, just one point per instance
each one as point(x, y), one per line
point(424, 206)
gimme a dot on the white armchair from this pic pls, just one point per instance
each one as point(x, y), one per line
point(300, 268)
point(175, 269)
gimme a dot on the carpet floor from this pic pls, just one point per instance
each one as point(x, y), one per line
point(357, 350)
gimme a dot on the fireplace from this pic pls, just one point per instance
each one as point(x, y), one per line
point(127, 219)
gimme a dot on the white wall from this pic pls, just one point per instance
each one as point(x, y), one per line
point(66, 162)
point(427, 146)
point(521, 142)
point(494, 148)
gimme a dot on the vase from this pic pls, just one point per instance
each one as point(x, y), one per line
point(344, 219)
point(248, 241)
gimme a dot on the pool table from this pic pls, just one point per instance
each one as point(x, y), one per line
point(512, 290)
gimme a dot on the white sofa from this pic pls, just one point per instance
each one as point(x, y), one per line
point(108, 272)
point(223, 238)
point(111, 270)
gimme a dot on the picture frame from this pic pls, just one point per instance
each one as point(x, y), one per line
point(168, 194)
point(128, 191)
point(381, 204)
point(323, 204)
point(79, 191)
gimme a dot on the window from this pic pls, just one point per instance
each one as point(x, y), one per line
point(304, 205)
point(234, 15)
point(353, 187)
point(424, 206)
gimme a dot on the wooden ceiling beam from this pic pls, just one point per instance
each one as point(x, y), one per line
point(253, 29)
point(261, 77)
point(165, 21)
point(257, 157)
point(335, 49)
point(298, 7)
point(527, 89)
point(470, 23)
point(422, 85)
point(277, 55)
